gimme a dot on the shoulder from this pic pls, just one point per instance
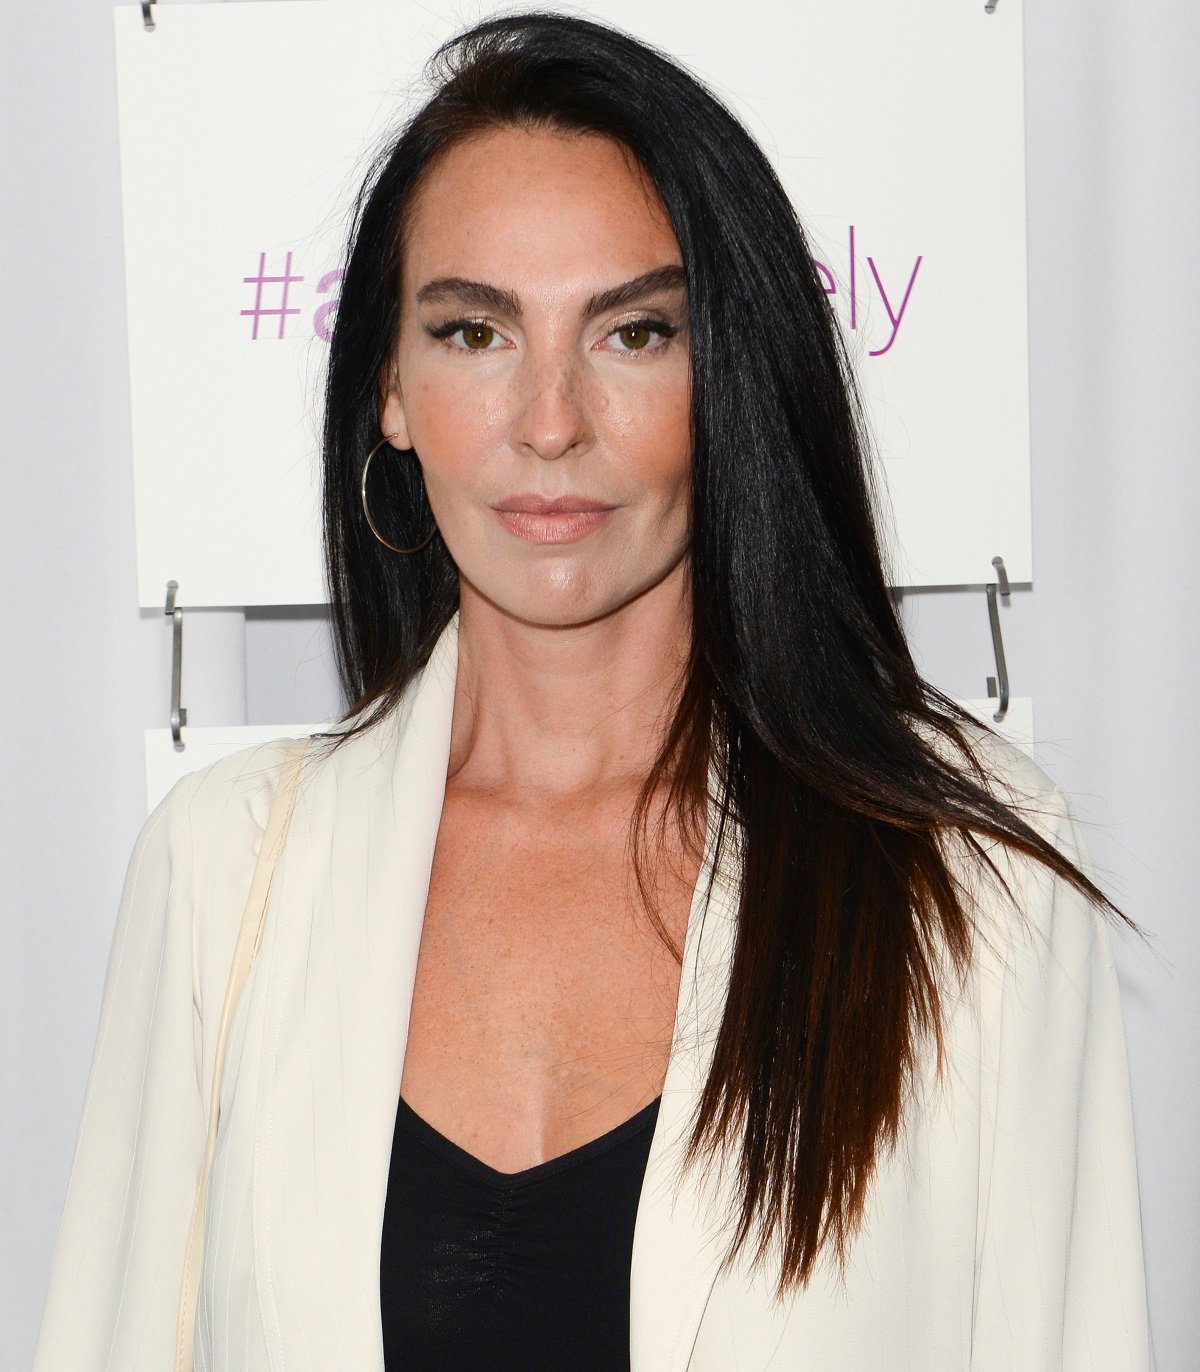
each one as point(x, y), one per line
point(241, 782)
point(1017, 899)
point(224, 806)
point(213, 820)
point(1010, 775)
point(227, 799)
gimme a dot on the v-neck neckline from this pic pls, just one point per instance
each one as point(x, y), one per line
point(465, 1161)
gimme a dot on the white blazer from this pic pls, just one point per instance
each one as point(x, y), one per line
point(1004, 1233)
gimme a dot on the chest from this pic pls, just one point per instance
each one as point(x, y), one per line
point(544, 1000)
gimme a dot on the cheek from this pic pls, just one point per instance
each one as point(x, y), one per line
point(451, 425)
point(654, 436)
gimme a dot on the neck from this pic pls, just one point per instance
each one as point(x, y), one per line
point(546, 711)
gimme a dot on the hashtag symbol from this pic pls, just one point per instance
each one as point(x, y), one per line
point(283, 282)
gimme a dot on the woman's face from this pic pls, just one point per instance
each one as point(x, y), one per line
point(543, 356)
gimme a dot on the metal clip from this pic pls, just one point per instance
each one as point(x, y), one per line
point(999, 692)
point(148, 14)
point(178, 713)
point(990, 7)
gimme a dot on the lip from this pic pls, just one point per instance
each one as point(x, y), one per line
point(567, 527)
point(544, 505)
point(543, 519)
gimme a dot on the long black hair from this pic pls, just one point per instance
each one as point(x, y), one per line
point(842, 773)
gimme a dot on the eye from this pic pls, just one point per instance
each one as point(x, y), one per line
point(478, 335)
point(637, 335)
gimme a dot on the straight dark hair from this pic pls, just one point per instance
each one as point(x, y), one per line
point(844, 777)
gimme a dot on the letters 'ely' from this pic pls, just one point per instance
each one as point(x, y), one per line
point(895, 313)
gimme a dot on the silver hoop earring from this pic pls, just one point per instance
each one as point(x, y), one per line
point(363, 489)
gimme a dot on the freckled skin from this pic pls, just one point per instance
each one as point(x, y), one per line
point(544, 1002)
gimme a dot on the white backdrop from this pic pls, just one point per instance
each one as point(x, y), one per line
point(1106, 643)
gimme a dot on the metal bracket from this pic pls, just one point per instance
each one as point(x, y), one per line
point(997, 686)
point(178, 713)
point(148, 14)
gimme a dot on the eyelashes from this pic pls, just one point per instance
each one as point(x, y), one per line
point(665, 330)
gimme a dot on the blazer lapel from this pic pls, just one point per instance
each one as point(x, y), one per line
point(346, 922)
point(682, 1218)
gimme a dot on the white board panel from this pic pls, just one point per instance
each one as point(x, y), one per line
point(897, 130)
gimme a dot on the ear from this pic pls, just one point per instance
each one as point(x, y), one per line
point(392, 418)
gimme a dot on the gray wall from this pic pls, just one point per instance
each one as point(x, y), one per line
point(1106, 643)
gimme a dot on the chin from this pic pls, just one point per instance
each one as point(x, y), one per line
point(550, 604)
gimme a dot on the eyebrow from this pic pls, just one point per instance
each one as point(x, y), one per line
point(483, 295)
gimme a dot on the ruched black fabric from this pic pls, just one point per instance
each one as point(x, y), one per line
point(487, 1271)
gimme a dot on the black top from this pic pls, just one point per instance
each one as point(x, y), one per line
point(487, 1271)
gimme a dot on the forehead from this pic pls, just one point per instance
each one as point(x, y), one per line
point(521, 206)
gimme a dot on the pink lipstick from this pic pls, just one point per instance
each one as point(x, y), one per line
point(561, 519)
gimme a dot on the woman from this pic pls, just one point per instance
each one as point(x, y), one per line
point(658, 973)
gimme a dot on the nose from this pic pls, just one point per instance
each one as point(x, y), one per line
point(551, 416)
